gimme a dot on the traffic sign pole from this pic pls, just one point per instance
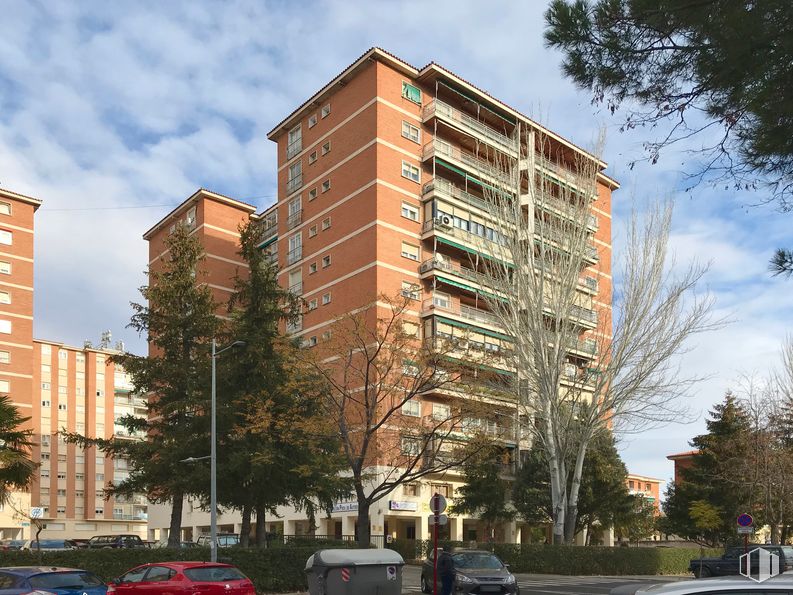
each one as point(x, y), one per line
point(745, 522)
point(436, 507)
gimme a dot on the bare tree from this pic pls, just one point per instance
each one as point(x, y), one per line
point(378, 378)
point(581, 368)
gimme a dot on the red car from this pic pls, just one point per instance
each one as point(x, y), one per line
point(182, 578)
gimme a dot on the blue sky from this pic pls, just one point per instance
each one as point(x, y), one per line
point(114, 112)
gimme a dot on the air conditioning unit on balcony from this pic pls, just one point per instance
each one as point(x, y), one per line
point(443, 221)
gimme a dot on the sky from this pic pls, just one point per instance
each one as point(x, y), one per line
point(113, 113)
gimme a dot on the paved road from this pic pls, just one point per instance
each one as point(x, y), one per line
point(547, 584)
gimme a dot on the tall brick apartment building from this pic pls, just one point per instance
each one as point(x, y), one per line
point(380, 191)
point(58, 387)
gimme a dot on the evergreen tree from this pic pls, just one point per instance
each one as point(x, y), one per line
point(710, 478)
point(16, 467)
point(274, 447)
point(485, 490)
point(179, 320)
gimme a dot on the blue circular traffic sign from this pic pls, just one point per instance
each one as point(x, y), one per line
point(745, 520)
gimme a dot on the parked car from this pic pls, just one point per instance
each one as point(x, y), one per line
point(782, 585)
point(476, 571)
point(207, 578)
point(11, 544)
point(49, 545)
point(182, 544)
point(115, 542)
point(728, 563)
point(224, 540)
point(57, 581)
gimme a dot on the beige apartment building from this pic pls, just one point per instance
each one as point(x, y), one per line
point(59, 388)
point(381, 178)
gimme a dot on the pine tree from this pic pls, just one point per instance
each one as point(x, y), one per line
point(275, 447)
point(179, 320)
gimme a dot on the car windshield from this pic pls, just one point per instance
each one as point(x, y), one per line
point(213, 574)
point(64, 580)
point(48, 543)
point(787, 551)
point(476, 560)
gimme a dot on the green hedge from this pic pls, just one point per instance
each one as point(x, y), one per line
point(575, 560)
point(273, 570)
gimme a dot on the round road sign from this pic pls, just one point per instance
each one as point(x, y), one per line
point(437, 504)
point(745, 520)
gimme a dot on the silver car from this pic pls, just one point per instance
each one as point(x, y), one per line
point(475, 571)
point(727, 585)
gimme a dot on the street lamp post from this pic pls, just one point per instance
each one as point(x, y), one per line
point(213, 455)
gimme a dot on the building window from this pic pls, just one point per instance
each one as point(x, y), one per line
point(294, 142)
point(326, 261)
point(326, 148)
point(411, 93)
point(100, 393)
point(61, 406)
point(99, 510)
point(410, 489)
point(312, 341)
point(45, 474)
point(45, 403)
point(312, 231)
point(312, 194)
point(411, 408)
point(5, 208)
point(325, 185)
point(312, 304)
point(6, 237)
point(62, 476)
point(441, 300)
point(411, 446)
point(440, 411)
point(45, 386)
point(312, 121)
point(326, 223)
point(410, 212)
point(411, 172)
point(5, 357)
point(411, 290)
point(5, 297)
point(325, 298)
point(326, 335)
point(45, 456)
point(325, 111)
point(100, 477)
point(312, 157)
point(410, 251)
point(444, 489)
point(62, 390)
point(411, 132)
point(79, 476)
point(410, 328)
point(5, 327)
point(295, 248)
point(5, 267)
point(294, 178)
point(312, 268)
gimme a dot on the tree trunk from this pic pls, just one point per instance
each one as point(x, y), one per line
point(175, 529)
point(571, 516)
point(245, 529)
point(261, 531)
point(364, 529)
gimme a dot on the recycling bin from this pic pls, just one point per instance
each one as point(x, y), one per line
point(355, 572)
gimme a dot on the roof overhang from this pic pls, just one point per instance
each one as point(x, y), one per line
point(21, 198)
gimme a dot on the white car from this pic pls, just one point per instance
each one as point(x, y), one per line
point(725, 585)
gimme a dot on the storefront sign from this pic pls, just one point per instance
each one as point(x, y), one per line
point(345, 507)
point(397, 505)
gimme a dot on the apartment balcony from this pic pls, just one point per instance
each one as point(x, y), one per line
point(434, 305)
point(446, 266)
point(588, 284)
point(269, 230)
point(296, 289)
point(294, 184)
point(294, 148)
point(561, 172)
point(444, 224)
point(130, 517)
point(469, 125)
point(563, 241)
point(586, 315)
point(271, 257)
point(438, 187)
point(481, 168)
point(585, 347)
point(294, 255)
point(294, 219)
point(557, 206)
point(473, 352)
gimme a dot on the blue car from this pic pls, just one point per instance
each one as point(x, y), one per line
point(44, 580)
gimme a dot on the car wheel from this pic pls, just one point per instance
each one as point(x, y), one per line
point(703, 572)
point(425, 588)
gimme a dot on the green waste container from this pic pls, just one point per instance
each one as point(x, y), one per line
point(355, 572)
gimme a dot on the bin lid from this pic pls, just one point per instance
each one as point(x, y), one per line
point(354, 557)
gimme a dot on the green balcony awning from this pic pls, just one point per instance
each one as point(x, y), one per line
point(470, 250)
point(471, 327)
point(443, 279)
point(268, 242)
point(468, 176)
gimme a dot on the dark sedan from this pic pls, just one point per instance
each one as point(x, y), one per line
point(475, 571)
point(19, 580)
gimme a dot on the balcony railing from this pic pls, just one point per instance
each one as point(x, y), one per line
point(450, 267)
point(271, 257)
point(463, 311)
point(477, 165)
point(470, 123)
point(439, 185)
point(472, 238)
point(296, 289)
point(294, 184)
point(269, 229)
point(294, 219)
point(564, 241)
point(584, 345)
point(294, 147)
point(584, 313)
point(590, 283)
point(294, 255)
